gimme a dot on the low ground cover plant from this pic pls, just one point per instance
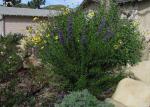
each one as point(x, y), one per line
point(82, 99)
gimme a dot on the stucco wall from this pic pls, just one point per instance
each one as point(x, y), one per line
point(1, 25)
point(17, 24)
point(140, 12)
point(144, 17)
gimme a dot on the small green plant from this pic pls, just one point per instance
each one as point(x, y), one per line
point(11, 96)
point(82, 99)
point(9, 60)
point(86, 48)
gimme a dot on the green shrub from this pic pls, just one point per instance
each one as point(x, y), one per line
point(82, 99)
point(86, 49)
point(9, 60)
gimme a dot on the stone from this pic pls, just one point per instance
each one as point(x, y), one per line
point(32, 61)
point(142, 71)
point(132, 93)
point(115, 103)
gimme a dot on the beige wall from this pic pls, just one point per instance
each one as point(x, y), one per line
point(139, 12)
point(17, 24)
point(142, 16)
point(1, 25)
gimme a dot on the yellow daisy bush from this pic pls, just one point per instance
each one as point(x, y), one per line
point(35, 36)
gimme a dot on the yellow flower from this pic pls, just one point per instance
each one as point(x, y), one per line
point(116, 47)
point(2, 53)
point(56, 38)
point(90, 14)
point(48, 35)
point(66, 11)
point(29, 29)
point(35, 43)
point(36, 39)
point(35, 18)
point(120, 42)
point(42, 47)
point(45, 41)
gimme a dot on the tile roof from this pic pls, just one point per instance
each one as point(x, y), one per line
point(118, 1)
point(13, 11)
point(124, 1)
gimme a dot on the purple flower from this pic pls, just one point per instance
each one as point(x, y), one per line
point(61, 38)
point(101, 25)
point(52, 34)
point(108, 35)
point(83, 40)
point(69, 28)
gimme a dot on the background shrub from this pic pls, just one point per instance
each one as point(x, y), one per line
point(85, 48)
point(82, 99)
point(25, 87)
